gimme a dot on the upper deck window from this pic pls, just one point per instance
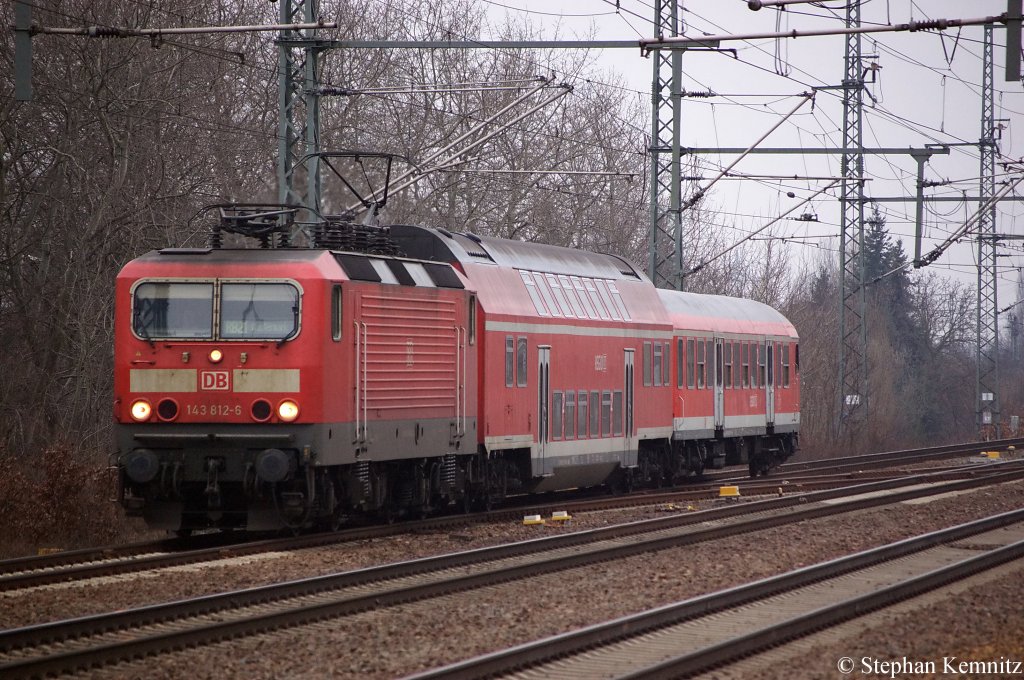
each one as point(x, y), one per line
point(259, 311)
point(164, 309)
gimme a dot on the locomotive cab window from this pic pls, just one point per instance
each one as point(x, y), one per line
point(472, 320)
point(163, 309)
point(259, 311)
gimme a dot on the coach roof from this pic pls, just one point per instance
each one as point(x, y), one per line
point(747, 314)
point(439, 244)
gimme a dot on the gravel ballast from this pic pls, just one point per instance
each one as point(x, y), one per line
point(404, 639)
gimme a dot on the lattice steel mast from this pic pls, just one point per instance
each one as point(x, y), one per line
point(298, 109)
point(987, 371)
point(853, 387)
point(665, 266)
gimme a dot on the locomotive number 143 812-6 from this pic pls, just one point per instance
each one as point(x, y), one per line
point(213, 410)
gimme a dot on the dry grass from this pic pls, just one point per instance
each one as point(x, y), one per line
point(59, 499)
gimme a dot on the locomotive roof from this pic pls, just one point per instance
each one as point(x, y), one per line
point(698, 305)
point(439, 244)
point(233, 255)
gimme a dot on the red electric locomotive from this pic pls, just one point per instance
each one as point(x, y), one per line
point(286, 386)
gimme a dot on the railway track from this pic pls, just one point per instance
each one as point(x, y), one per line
point(706, 632)
point(86, 564)
point(70, 645)
point(110, 560)
point(891, 458)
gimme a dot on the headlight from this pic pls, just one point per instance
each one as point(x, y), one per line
point(215, 356)
point(287, 410)
point(167, 409)
point(141, 410)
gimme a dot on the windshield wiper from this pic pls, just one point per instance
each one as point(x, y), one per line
point(142, 328)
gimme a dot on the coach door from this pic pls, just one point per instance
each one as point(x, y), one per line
point(627, 410)
point(719, 387)
point(769, 389)
point(543, 404)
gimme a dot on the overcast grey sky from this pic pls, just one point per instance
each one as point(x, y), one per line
point(927, 90)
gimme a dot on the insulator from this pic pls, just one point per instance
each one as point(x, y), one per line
point(216, 237)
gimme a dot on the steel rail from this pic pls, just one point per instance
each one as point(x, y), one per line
point(905, 454)
point(86, 564)
point(71, 564)
point(83, 564)
point(634, 625)
point(162, 641)
point(825, 617)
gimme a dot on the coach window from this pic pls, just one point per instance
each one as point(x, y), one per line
point(785, 365)
point(531, 289)
point(657, 364)
point(606, 298)
point(701, 365)
point(581, 416)
point(728, 364)
point(546, 295)
point(570, 294)
point(617, 413)
point(577, 284)
point(666, 365)
point(563, 301)
point(680, 366)
point(778, 365)
point(336, 313)
point(796, 358)
point(606, 413)
point(521, 361)
point(736, 365)
point(690, 355)
point(762, 377)
point(647, 364)
point(618, 300)
point(556, 415)
point(719, 367)
point(472, 319)
point(570, 415)
point(753, 364)
point(595, 414)
point(510, 360)
point(746, 364)
point(595, 298)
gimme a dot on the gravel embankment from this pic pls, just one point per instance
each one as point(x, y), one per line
point(403, 639)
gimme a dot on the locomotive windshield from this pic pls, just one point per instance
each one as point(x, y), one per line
point(265, 311)
point(185, 310)
point(173, 310)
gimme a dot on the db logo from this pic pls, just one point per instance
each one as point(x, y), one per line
point(213, 380)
